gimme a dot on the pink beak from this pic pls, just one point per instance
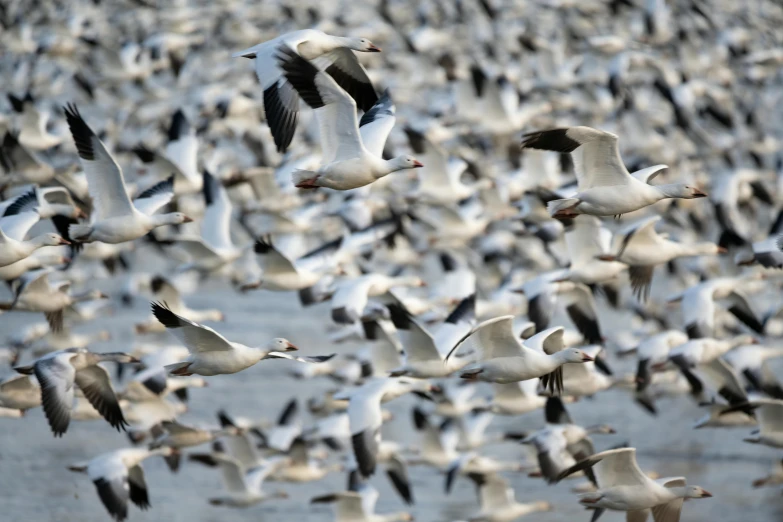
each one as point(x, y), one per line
point(291, 348)
point(417, 164)
point(586, 358)
point(373, 49)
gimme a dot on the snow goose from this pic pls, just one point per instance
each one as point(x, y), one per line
point(47, 201)
point(32, 263)
point(14, 228)
point(213, 354)
point(214, 249)
point(300, 467)
point(115, 218)
point(622, 486)
point(698, 306)
point(181, 436)
point(497, 500)
point(280, 274)
point(359, 506)
point(422, 358)
point(586, 240)
point(585, 380)
point(562, 443)
point(351, 296)
point(351, 156)
point(642, 248)
point(19, 392)
point(751, 362)
point(36, 294)
point(33, 133)
point(152, 383)
point(165, 292)
point(180, 158)
point(119, 477)
point(22, 166)
point(439, 179)
point(717, 377)
point(245, 488)
point(653, 352)
point(770, 417)
point(505, 359)
point(365, 416)
point(704, 350)
point(57, 374)
point(547, 290)
point(280, 101)
point(606, 188)
point(767, 253)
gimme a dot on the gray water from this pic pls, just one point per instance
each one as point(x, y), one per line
point(35, 484)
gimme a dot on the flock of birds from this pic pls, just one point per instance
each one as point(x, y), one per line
point(489, 250)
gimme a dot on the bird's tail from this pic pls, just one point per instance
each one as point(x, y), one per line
point(79, 232)
point(558, 205)
point(180, 368)
point(304, 178)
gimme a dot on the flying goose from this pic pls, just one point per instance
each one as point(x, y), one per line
point(115, 219)
point(504, 359)
point(33, 133)
point(59, 372)
point(19, 392)
point(47, 201)
point(119, 477)
point(21, 165)
point(281, 104)
point(642, 249)
point(14, 229)
point(213, 354)
point(497, 501)
point(770, 417)
point(165, 292)
point(351, 149)
point(244, 488)
point(606, 188)
point(622, 486)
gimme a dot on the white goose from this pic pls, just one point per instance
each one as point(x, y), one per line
point(351, 296)
point(516, 398)
point(165, 292)
point(19, 392)
point(280, 274)
point(119, 477)
point(606, 188)
point(622, 486)
point(115, 218)
point(422, 358)
point(213, 354)
point(770, 417)
point(359, 506)
point(214, 249)
point(498, 502)
point(351, 150)
point(59, 373)
point(504, 359)
point(280, 102)
point(33, 133)
point(14, 228)
point(642, 249)
point(586, 241)
point(47, 201)
point(244, 488)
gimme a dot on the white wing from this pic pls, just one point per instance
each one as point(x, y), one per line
point(216, 224)
point(376, 124)
point(196, 337)
point(421, 345)
point(104, 177)
point(155, 197)
point(494, 338)
point(17, 226)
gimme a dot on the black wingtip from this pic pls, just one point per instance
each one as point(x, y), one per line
point(180, 126)
point(554, 139)
point(81, 132)
point(166, 317)
point(145, 154)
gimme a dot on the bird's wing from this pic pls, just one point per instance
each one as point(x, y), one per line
point(421, 345)
point(549, 341)
point(196, 248)
point(349, 74)
point(216, 224)
point(741, 309)
point(155, 197)
point(94, 382)
point(318, 90)
point(595, 153)
point(165, 292)
point(18, 225)
point(56, 376)
point(555, 412)
point(233, 478)
point(612, 468)
point(725, 380)
point(349, 504)
point(376, 124)
point(299, 358)
point(197, 338)
point(398, 475)
point(254, 477)
point(349, 299)
point(138, 487)
point(104, 177)
point(669, 512)
point(648, 174)
point(271, 260)
point(641, 235)
point(582, 310)
point(114, 492)
point(494, 338)
point(58, 195)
